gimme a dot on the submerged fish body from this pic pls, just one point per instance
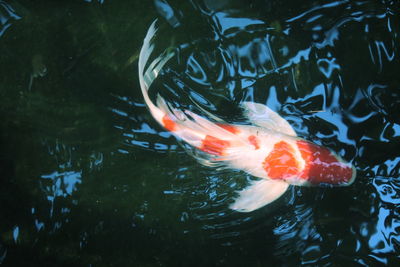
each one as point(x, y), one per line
point(268, 149)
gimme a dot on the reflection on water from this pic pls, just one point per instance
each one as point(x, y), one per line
point(7, 16)
point(60, 185)
point(89, 178)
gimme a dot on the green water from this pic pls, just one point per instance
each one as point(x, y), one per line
point(88, 178)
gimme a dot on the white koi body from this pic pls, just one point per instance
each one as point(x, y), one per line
point(269, 149)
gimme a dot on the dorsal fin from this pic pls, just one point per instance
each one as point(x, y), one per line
point(265, 117)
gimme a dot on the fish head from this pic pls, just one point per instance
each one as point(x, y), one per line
point(322, 166)
point(299, 162)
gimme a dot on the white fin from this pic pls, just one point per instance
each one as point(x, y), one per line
point(258, 194)
point(211, 128)
point(265, 117)
point(149, 72)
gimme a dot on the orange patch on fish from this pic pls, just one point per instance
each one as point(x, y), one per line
point(254, 141)
point(169, 124)
point(229, 128)
point(281, 162)
point(214, 146)
point(322, 166)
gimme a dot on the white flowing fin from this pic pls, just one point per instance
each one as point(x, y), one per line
point(213, 129)
point(194, 130)
point(149, 74)
point(193, 122)
point(258, 194)
point(265, 117)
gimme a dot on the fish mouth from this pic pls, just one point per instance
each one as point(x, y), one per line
point(347, 165)
point(353, 177)
point(348, 180)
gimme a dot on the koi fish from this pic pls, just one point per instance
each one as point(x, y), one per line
point(268, 149)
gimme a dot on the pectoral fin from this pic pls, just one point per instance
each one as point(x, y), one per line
point(258, 194)
point(265, 117)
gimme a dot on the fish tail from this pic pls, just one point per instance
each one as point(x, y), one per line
point(171, 119)
point(149, 74)
point(213, 141)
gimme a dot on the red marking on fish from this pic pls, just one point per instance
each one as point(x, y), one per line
point(281, 162)
point(169, 124)
point(322, 166)
point(254, 141)
point(214, 146)
point(229, 128)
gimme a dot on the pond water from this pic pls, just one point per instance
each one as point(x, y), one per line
point(88, 177)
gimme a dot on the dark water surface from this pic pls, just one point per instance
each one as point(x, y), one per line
point(88, 178)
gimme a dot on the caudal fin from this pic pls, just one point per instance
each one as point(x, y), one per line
point(148, 72)
point(216, 143)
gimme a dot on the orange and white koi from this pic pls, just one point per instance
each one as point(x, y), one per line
point(269, 149)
